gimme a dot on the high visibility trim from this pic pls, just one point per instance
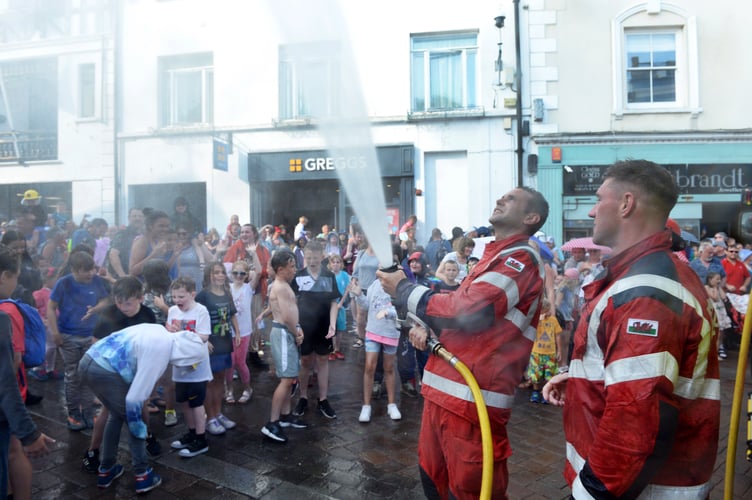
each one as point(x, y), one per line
point(461, 391)
point(591, 366)
point(414, 298)
point(707, 388)
point(502, 282)
point(651, 491)
point(657, 364)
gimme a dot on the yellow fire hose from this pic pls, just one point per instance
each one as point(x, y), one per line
point(736, 405)
point(485, 425)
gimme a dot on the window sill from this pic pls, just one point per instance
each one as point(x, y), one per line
point(478, 112)
point(695, 112)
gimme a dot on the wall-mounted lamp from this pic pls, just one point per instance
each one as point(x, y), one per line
point(499, 23)
point(568, 169)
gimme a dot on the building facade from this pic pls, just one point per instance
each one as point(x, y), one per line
point(656, 79)
point(57, 107)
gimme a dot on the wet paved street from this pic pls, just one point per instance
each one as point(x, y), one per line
point(341, 459)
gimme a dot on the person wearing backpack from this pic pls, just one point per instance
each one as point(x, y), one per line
point(14, 463)
point(436, 250)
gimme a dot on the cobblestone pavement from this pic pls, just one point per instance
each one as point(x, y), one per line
point(341, 458)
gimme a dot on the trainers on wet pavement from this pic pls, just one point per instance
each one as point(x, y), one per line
point(292, 421)
point(184, 441)
point(91, 461)
point(365, 414)
point(214, 427)
point(170, 418)
point(106, 477)
point(326, 409)
point(393, 412)
point(147, 481)
point(301, 407)
point(273, 431)
point(226, 422)
point(196, 447)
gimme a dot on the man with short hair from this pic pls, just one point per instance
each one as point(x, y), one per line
point(436, 249)
point(489, 323)
point(706, 262)
point(120, 248)
point(642, 396)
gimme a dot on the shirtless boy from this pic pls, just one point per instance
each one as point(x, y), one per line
point(285, 337)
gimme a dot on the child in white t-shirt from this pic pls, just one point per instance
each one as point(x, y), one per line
point(190, 381)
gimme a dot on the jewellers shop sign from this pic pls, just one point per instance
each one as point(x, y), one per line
point(691, 179)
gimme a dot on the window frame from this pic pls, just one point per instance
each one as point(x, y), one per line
point(170, 68)
point(686, 76)
point(91, 98)
point(422, 75)
point(296, 60)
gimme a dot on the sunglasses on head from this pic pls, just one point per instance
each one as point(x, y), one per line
point(239, 273)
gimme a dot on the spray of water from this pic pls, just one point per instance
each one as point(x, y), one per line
point(317, 35)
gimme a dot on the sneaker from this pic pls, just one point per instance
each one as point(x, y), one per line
point(332, 357)
point(170, 418)
point(722, 353)
point(536, 397)
point(56, 375)
point(38, 374)
point(273, 431)
point(292, 421)
point(153, 448)
point(393, 412)
point(408, 389)
point(106, 477)
point(326, 409)
point(376, 391)
point(226, 422)
point(32, 399)
point(76, 422)
point(245, 396)
point(365, 414)
point(196, 447)
point(91, 461)
point(358, 343)
point(301, 407)
point(147, 481)
point(214, 427)
point(339, 355)
point(184, 441)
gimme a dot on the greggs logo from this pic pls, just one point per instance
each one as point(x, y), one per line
point(295, 164)
point(317, 164)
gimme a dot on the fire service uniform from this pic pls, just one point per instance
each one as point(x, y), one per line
point(642, 404)
point(489, 323)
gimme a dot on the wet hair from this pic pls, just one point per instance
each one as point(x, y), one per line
point(537, 204)
point(281, 258)
point(157, 276)
point(254, 230)
point(11, 236)
point(452, 262)
point(8, 260)
point(127, 287)
point(154, 216)
point(98, 222)
point(650, 179)
point(473, 259)
point(314, 246)
point(184, 282)
point(710, 276)
point(209, 269)
point(81, 261)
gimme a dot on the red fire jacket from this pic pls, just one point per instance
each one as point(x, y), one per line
point(489, 323)
point(643, 399)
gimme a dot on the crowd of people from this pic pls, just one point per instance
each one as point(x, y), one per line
point(503, 298)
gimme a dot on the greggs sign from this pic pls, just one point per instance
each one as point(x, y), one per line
point(325, 163)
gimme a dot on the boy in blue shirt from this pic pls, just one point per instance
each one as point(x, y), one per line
point(78, 297)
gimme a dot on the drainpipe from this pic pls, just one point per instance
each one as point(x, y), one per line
point(116, 107)
point(518, 86)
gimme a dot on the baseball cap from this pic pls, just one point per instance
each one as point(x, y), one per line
point(30, 195)
point(415, 256)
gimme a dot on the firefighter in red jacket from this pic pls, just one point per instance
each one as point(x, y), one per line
point(642, 407)
point(489, 323)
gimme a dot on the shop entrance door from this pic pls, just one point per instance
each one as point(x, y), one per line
point(318, 200)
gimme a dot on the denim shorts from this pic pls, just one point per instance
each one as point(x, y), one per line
point(220, 362)
point(373, 346)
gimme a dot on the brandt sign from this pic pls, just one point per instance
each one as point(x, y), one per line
point(691, 178)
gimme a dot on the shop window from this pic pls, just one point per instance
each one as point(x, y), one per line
point(443, 71)
point(309, 76)
point(186, 89)
point(655, 61)
point(28, 110)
